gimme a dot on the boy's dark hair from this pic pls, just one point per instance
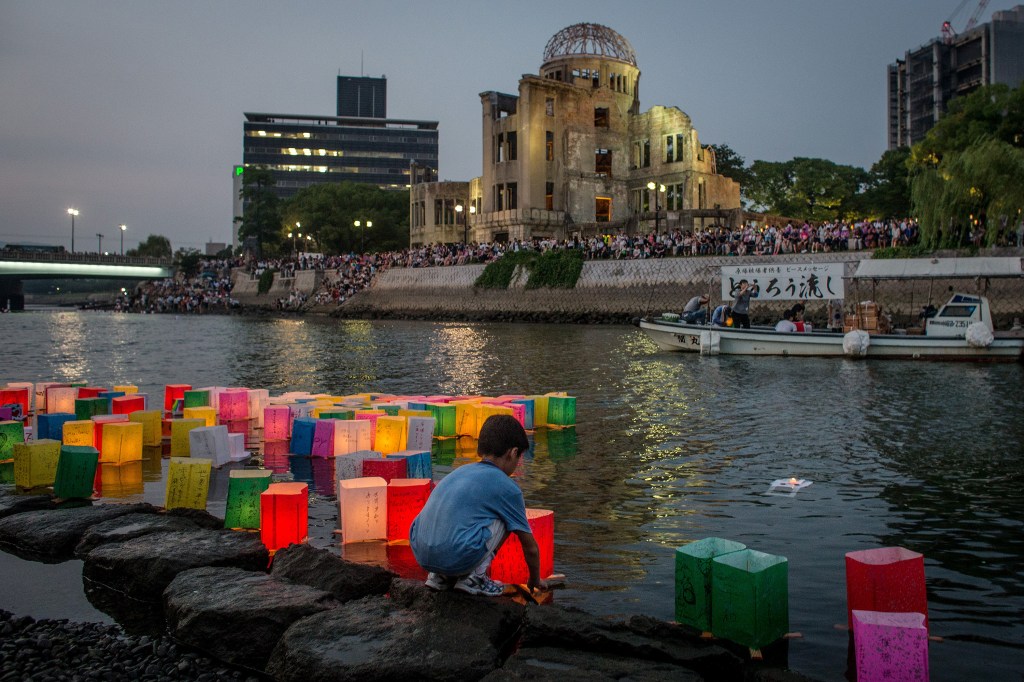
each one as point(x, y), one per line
point(499, 433)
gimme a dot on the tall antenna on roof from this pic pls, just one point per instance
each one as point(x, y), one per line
point(360, 63)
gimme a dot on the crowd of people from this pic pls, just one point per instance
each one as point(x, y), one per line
point(206, 292)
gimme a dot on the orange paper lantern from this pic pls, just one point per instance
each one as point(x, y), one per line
point(509, 565)
point(284, 515)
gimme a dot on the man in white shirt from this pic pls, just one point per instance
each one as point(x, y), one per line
point(786, 323)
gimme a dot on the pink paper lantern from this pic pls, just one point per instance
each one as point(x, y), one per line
point(890, 646)
point(234, 405)
point(277, 423)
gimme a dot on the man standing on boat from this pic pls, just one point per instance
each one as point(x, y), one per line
point(741, 304)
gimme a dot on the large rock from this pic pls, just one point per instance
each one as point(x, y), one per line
point(52, 534)
point(130, 526)
point(415, 635)
point(237, 616)
point(143, 567)
point(319, 568)
point(11, 503)
point(545, 664)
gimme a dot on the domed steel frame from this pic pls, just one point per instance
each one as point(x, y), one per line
point(589, 39)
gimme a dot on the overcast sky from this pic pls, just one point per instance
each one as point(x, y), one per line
point(132, 111)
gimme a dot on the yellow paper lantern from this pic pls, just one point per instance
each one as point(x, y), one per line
point(390, 431)
point(188, 482)
point(540, 409)
point(179, 435)
point(79, 432)
point(122, 443)
point(35, 463)
point(206, 413)
point(127, 389)
point(489, 410)
point(152, 429)
point(467, 414)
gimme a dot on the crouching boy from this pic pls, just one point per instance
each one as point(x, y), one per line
point(472, 512)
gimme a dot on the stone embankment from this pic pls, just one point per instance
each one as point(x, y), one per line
point(621, 291)
point(199, 602)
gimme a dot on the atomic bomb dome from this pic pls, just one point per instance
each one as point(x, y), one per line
point(589, 40)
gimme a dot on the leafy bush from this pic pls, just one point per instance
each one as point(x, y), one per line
point(266, 280)
point(915, 251)
point(556, 269)
point(498, 273)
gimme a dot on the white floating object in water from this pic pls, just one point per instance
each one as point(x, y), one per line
point(788, 486)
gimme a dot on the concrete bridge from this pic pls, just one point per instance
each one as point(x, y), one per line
point(16, 266)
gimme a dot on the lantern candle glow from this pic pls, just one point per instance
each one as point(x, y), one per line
point(284, 515)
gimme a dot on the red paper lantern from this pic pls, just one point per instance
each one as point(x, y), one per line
point(387, 469)
point(401, 561)
point(100, 420)
point(284, 515)
point(889, 579)
point(18, 396)
point(233, 405)
point(174, 392)
point(90, 391)
point(406, 497)
point(126, 404)
point(509, 565)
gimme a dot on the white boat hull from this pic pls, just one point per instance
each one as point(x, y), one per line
point(679, 336)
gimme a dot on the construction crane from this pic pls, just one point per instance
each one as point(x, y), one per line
point(948, 32)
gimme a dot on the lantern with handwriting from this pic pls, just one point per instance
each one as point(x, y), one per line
point(35, 462)
point(352, 436)
point(174, 396)
point(259, 398)
point(561, 411)
point(417, 463)
point(245, 486)
point(406, 497)
point(390, 431)
point(180, 441)
point(127, 389)
point(40, 390)
point(210, 442)
point(467, 417)
point(61, 398)
point(350, 464)
point(370, 416)
point(234, 405)
point(528, 412)
point(886, 579)
point(419, 433)
point(79, 433)
point(122, 442)
point(388, 469)
point(51, 425)
point(86, 408)
point(152, 428)
point(196, 398)
point(277, 422)
point(890, 646)
point(99, 421)
point(207, 414)
point(509, 565)
point(284, 515)
point(693, 579)
point(362, 504)
point(444, 419)
point(188, 483)
point(750, 597)
point(323, 438)
point(121, 480)
point(127, 404)
point(518, 411)
point(76, 471)
point(303, 430)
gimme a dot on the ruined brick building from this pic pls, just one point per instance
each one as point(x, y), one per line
point(572, 154)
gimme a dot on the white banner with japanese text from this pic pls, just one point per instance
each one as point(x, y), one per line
point(787, 281)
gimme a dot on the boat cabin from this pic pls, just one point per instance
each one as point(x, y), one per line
point(960, 311)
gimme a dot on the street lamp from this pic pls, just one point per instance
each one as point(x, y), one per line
point(472, 212)
point(123, 228)
point(657, 203)
point(362, 234)
point(458, 217)
point(99, 246)
point(72, 212)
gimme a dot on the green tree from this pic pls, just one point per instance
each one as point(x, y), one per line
point(328, 212)
point(888, 191)
point(155, 246)
point(262, 218)
point(187, 261)
point(806, 188)
point(731, 165)
point(970, 167)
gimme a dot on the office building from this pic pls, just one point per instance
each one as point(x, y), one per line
point(363, 97)
point(921, 84)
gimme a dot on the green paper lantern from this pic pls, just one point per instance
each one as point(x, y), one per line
point(243, 505)
point(197, 399)
point(86, 408)
point(11, 432)
point(444, 419)
point(561, 410)
point(693, 579)
point(76, 471)
point(750, 597)
point(337, 414)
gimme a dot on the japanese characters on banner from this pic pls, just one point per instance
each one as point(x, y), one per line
point(786, 281)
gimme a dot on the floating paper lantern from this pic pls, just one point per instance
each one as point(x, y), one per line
point(236, 446)
point(35, 462)
point(444, 419)
point(518, 411)
point(323, 438)
point(85, 392)
point(210, 442)
point(79, 433)
point(886, 579)
point(370, 416)
point(180, 442)
point(419, 433)
point(188, 482)
point(417, 463)
point(109, 397)
point(303, 429)
point(488, 411)
point(350, 465)
point(890, 646)
point(362, 504)
point(277, 422)
point(693, 579)
point(234, 405)
point(152, 432)
point(127, 404)
point(406, 497)
point(387, 469)
point(40, 390)
point(76, 471)
point(30, 394)
point(302, 410)
point(259, 398)
point(98, 422)
point(207, 414)
point(417, 406)
point(467, 416)
point(284, 515)
point(196, 398)
point(540, 409)
point(52, 425)
point(509, 565)
point(352, 436)
point(85, 408)
point(561, 411)
point(335, 413)
point(528, 407)
point(242, 509)
point(127, 389)
point(61, 398)
point(415, 413)
point(750, 597)
point(174, 394)
point(390, 431)
point(121, 480)
point(122, 442)
point(17, 396)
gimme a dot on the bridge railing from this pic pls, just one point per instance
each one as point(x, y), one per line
point(95, 258)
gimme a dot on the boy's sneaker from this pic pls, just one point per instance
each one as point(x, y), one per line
point(480, 584)
point(436, 581)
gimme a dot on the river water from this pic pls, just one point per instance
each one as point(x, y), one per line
point(668, 448)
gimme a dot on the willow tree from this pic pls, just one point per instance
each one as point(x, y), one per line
point(970, 167)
